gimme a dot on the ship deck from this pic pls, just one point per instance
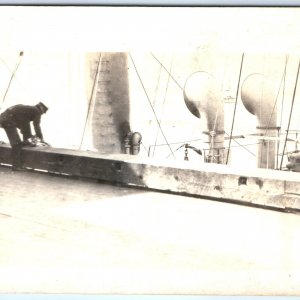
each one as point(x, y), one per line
point(64, 235)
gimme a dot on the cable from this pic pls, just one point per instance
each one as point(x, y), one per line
point(165, 96)
point(16, 77)
point(156, 93)
point(235, 105)
point(157, 85)
point(167, 72)
point(12, 76)
point(176, 143)
point(281, 114)
point(243, 146)
point(207, 149)
point(151, 105)
point(176, 150)
point(91, 99)
point(292, 105)
point(144, 147)
point(283, 94)
point(256, 143)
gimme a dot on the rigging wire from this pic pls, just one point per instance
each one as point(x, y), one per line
point(15, 77)
point(281, 115)
point(165, 97)
point(176, 150)
point(182, 89)
point(243, 146)
point(167, 71)
point(176, 143)
point(240, 145)
point(157, 85)
point(91, 98)
point(151, 105)
point(12, 76)
point(290, 116)
point(196, 140)
point(144, 147)
point(283, 92)
point(235, 105)
point(155, 97)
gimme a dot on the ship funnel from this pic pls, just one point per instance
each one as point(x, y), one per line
point(259, 99)
point(202, 97)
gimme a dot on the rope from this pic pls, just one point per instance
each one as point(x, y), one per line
point(151, 105)
point(251, 144)
point(91, 99)
point(176, 150)
point(165, 96)
point(176, 143)
point(281, 114)
point(157, 85)
point(290, 116)
point(204, 149)
point(235, 105)
point(196, 140)
point(16, 78)
point(12, 76)
point(167, 72)
point(240, 145)
point(283, 93)
point(144, 147)
point(154, 101)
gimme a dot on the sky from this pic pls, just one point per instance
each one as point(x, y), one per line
point(267, 36)
point(123, 28)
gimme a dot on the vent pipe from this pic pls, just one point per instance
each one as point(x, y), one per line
point(259, 99)
point(203, 99)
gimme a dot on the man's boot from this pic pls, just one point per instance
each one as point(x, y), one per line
point(16, 157)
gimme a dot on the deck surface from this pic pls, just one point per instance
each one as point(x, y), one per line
point(64, 235)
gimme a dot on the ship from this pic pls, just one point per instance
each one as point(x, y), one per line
point(200, 123)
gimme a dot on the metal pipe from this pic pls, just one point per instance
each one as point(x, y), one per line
point(259, 99)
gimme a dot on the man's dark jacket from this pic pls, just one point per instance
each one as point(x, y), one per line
point(20, 116)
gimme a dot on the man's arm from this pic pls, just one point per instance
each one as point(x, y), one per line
point(37, 127)
point(26, 131)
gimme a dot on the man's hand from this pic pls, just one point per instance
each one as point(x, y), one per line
point(28, 143)
point(44, 143)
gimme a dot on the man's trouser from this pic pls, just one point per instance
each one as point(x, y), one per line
point(16, 145)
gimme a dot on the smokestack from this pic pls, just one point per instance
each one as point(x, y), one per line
point(203, 99)
point(259, 99)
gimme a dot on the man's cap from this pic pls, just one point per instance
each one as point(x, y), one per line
point(42, 107)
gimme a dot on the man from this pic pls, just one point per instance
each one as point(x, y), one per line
point(20, 117)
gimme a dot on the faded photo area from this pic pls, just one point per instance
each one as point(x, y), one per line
point(157, 150)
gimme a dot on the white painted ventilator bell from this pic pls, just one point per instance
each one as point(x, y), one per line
point(202, 96)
